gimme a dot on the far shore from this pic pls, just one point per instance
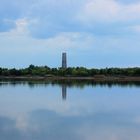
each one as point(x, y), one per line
point(95, 78)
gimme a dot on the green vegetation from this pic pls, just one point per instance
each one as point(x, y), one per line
point(71, 71)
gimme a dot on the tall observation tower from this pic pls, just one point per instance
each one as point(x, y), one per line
point(64, 60)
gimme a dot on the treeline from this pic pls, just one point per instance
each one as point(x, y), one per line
point(71, 71)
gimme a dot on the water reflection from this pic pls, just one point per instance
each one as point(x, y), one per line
point(45, 124)
point(35, 111)
point(64, 92)
point(70, 83)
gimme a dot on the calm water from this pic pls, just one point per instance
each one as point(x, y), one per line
point(72, 111)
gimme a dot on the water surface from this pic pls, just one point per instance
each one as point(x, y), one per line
point(69, 111)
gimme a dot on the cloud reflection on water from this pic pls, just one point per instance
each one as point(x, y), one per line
point(45, 124)
point(91, 113)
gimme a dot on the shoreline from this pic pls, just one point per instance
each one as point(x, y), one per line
point(55, 78)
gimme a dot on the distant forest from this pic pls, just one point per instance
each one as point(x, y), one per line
point(71, 71)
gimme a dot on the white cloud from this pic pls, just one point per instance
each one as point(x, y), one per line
point(108, 11)
point(20, 41)
point(101, 9)
point(21, 27)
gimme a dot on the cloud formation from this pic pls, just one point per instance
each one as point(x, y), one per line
point(75, 26)
point(110, 11)
point(50, 18)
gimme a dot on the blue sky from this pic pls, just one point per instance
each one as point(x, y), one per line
point(94, 33)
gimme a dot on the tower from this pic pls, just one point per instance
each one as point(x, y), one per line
point(64, 60)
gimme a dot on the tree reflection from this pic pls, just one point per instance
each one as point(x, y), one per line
point(69, 83)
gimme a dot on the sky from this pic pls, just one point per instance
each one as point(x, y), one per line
point(94, 33)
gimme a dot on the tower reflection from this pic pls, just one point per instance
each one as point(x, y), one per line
point(64, 92)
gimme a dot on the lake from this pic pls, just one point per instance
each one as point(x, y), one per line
point(69, 111)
